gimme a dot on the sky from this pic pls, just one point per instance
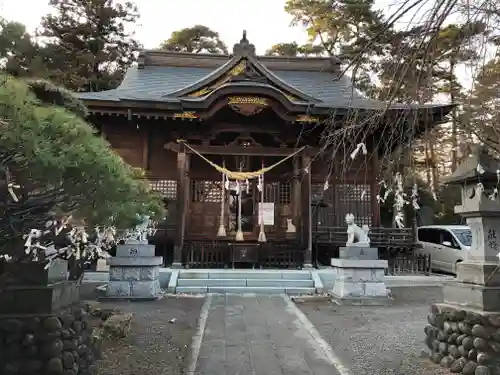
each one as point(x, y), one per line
point(266, 21)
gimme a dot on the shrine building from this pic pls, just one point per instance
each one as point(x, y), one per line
point(220, 136)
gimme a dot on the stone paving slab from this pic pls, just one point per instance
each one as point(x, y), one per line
point(258, 335)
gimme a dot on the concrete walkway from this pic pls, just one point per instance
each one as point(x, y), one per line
point(259, 335)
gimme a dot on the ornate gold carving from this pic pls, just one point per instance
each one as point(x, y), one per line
point(255, 100)
point(239, 68)
point(188, 115)
point(291, 98)
point(306, 118)
point(202, 92)
point(236, 70)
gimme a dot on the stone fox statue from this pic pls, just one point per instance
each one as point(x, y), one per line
point(356, 236)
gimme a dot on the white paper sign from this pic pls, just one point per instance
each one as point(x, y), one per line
point(266, 212)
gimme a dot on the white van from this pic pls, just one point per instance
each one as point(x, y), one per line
point(446, 244)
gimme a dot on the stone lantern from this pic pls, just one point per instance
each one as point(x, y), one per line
point(463, 333)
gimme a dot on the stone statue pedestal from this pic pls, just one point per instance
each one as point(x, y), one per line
point(135, 272)
point(358, 252)
point(360, 281)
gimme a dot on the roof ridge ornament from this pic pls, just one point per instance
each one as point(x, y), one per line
point(244, 47)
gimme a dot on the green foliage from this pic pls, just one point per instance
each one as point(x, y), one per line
point(20, 52)
point(196, 39)
point(294, 50)
point(352, 29)
point(89, 47)
point(62, 166)
point(51, 94)
point(483, 113)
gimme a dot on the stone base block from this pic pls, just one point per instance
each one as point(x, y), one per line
point(486, 298)
point(356, 252)
point(145, 289)
point(118, 289)
point(135, 250)
point(133, 282)
point(135, 261)
point(35, 299)
point(478, 273)
point(464, 340)
point(359, 281)
point(128, 273)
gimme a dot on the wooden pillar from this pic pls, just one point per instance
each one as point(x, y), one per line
point(307, 211)
point(182, 205)
point(374, 186)
point(296, 196)
point(145, 148)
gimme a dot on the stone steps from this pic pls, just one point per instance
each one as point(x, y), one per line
point(241, 274)
point(295, 282)
point(244, 290)
point(272, 283)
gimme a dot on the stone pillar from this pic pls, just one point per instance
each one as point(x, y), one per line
point(463, 333)
point(134, 272)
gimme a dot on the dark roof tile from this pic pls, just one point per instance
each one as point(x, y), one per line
point(156, 82)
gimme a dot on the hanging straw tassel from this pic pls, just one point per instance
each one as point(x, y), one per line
point(262, 234)
point(222, 229)
point(239, 233)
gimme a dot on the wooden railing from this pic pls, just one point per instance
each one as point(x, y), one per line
point(206, 254)
point(379, 237)
point(230, 254)
point(409, 264)
point(389, 241)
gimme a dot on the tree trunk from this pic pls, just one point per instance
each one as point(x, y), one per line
point(454, 120)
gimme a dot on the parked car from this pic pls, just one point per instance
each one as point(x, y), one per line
point(446, 244)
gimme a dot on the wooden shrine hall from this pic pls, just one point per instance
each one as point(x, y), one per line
point(232, 143)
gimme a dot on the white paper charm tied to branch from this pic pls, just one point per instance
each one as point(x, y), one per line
point(359, 147)
point(480, 169)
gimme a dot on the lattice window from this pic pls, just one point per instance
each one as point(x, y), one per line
point(278, 192)
point(285, 189)
point(271, 192)
point(355, 199)
point(167, 188)
point(206, 191)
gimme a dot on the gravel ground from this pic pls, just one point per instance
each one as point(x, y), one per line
point(379, 340)
point(153, 345)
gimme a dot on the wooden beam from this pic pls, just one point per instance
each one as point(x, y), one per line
point(243, 151)
point(375, 166)
point(296, 194)
point(307, 211)
point(182, 206)
point(145, 148)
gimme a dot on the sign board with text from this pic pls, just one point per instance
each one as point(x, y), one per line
point(266, 212)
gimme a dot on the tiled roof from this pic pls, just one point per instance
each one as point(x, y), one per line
point(156, 82)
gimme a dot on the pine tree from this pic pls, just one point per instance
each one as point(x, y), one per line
point(19, 51)
point(294, 49)
point(352, 29)
point(196, 39)
point(89, 46)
